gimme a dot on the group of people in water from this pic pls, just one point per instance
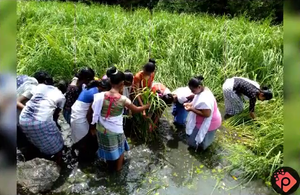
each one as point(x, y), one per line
point(94, 109)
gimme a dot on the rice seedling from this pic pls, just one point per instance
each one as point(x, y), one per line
point(144, 126)
point(61, 37)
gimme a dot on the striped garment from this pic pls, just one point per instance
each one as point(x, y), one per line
point(45, 135)
point(111, 145)
point(108, 111)
point(233, 102)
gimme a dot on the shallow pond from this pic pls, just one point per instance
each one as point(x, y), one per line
point(165, 167)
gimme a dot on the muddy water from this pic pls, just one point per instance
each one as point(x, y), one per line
point(166, 167)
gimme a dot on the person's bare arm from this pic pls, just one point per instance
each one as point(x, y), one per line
point(202, 112)
point(135, 88)
point(89, 117)
point(56, 114)
point(136, 109)
point(20, 102)
point(140, 100)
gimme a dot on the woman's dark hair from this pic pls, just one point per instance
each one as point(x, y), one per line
point(196, 81)
point(152, 61)
point(128, 76)
point(41, 76)
point(150, 66)
point(86, 73)
point(266, 92)
point(115, 76)
point(49, 80)
point(168, 99)
point(92, 84)
point(110, 70)
point(105, 84)
point(62, 85)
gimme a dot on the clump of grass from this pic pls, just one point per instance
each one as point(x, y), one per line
point(260, 152)
point(141, 124)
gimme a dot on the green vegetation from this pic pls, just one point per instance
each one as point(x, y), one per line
point(144, 126)
point(183, 45)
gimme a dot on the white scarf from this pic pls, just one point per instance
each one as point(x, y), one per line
point(207, 98)
point(112, 123)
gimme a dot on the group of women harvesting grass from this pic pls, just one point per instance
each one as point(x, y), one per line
point(94, 108)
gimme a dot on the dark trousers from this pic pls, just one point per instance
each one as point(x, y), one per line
point(87, 148)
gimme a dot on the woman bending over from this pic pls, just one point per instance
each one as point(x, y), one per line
point(144, 79)
point(84, 76)
point(237, 87)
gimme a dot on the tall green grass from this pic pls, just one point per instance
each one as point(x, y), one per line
point(61, 37)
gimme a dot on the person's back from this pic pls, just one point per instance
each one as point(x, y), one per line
point(245, 87)
point(82, 78)
point(38, 120)
point(45, 100)
point(82, 104)
point(113, 104)
point(161, 88)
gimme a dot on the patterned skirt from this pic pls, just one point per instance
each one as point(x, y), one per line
point(111, 145)
point(45, 135)
point(233, 102)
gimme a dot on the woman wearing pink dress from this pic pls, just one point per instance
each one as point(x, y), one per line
point(204, 116)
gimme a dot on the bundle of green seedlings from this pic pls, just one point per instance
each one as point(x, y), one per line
point(141, 124)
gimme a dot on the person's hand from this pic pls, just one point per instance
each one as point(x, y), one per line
point(147, 106)
point(188, 106)
point(252, 115)
point(191, 97)
point(144, 114)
